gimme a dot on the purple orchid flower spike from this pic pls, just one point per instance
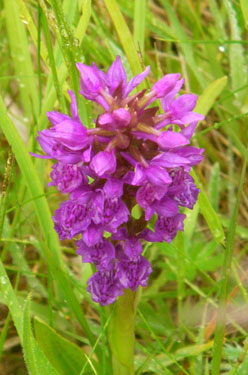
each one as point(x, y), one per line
point(125, 161)
point(116, 76)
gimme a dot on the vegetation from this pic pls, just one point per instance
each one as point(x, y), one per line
point(192, 317)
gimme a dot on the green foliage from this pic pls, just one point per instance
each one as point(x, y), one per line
point(35, 358)
point(196, 277)
point(65, 356)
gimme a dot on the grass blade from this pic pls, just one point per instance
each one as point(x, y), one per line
point(125, 36)
point(35, 358)
point(220, 323)
point(21, 58)
point(139, 24)
point(209, 95)
point(212, 219)
point(244, 8)
point(8, 295)
point(236, 52)
point(32, 181)
point(58, 89)
point(186, 47)
point(65, 356)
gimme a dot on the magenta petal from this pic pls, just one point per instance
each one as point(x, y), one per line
point(101, 254)
point(143, 135)
point(93, 234)
point(103, 162)
point(165, 84)
point(116, 75)
point(74, 110)
point(167, 207)
point(91, 82)
point(170, 139)
point(167, 99)
point(70, 133)
point(132, 273)
point(139, 176)
point(169, 160)
point(106, 119)
point(135, 81)
point(191, 117)
point(132, 248)
point(104, 287)
point(122, 116)
point(56, 117)
point(113, 188)
point(158, 176)
point(185, 103)
point(148, 193)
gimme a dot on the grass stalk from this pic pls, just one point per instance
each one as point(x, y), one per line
point(56, 82)
point(121, 334)
point(221, 315)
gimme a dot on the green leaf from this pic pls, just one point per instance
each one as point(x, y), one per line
point(139, 24)
point(209, 95)
point(244, 8)
point(35, 359)
point(125, 36)
point(182, 37)
point(32, 181)
point(51, 248)
point(214, 186)
point(212, 219)
point(8, 296)
point(21, 58)
point(236, 52)
point(221, 315)
point(84, 20)
point(65, 356)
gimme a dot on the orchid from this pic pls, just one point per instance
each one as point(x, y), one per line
point(133, 156)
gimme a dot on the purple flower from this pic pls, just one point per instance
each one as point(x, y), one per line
point(148, 195)
point(162, 206)
point(135, 81)
point(93, 234)
point(124, 160)
point(67, 177)
point(115, 213)
point(91, 81)
point(113, 188)
point(165, 85)
point(152, 172)
point(116, 75)
point(132, 273)
point(56, 150)
point(104, 287)
point(179, 111)
point(103, 163)
point(183, 189)
point(119, 118)
point(132, 248)
point(101, 254)
point(72, 218)
point(129, 246)
point(192, 154)
point(169, 139)
point(99, 87)
point(166, 229)
point(69, 134)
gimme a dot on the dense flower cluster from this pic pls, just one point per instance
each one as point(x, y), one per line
point(123, 161)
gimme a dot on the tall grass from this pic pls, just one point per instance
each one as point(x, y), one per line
point(192, 317)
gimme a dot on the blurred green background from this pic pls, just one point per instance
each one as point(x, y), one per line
point(198, 279)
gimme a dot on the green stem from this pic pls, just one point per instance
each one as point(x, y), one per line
point(121, 334)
